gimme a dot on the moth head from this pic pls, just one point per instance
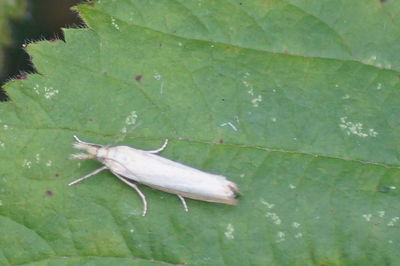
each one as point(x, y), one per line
point(90, 148)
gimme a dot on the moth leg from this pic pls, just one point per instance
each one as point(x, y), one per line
point(183, 202)
point(142, 196)
point(161, 148)
point(95, 172)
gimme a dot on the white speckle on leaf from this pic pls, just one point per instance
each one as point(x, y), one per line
point(256, 101)
point(1, 203)
point(274, 217)
point(212, 45)
point(229, 231)
point(292, 186)
point(180, 44)
point(157, 76)
point(246, 84)
point(49, 92)
point(379, 87)
point(336, 85)
point(356, 128)
point(269, 205)
point(49, 163)
point(6, 127)
point(242, 175)
point(367, 217)
point(381, 213)
point(295, 224)
point(37, 156)
point(36, 89)
point(372, 132)
point(2, 145)
point(281, 237)
point(131, 230)
point(131, 118)
point(251, 92)
point(393, 221)
point(273, 119)
point(273, 90)
point(298, 235)
point(346, 97)
point(392, 187)
point(27, 164)
point(390, 241)
point(230, 125)
point(114, 23)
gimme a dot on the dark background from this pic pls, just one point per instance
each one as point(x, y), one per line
point(43, 20)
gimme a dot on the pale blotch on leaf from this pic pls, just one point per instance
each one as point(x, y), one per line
point(274, 217)
point(295, 224)
point(229, 231)
point(269, 205)
point(2, 145)
point(256, 101)
point(367, 217)
point(49, 163)
point(27, 164)
point(381, 213)
point(49, 92)
point(130, 121)
point(281, 237)
point(356, 128)
point(131, 118)
point(114, 24)
point(157, 76)
point(298, 235)
point(393, 221)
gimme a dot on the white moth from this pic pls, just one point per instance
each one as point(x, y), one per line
point(145, 167)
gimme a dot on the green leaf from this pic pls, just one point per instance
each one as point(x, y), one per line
point(297, 102)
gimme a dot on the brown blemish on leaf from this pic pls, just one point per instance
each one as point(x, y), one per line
point(49, 193)
point(138, 78)
point(21, 76)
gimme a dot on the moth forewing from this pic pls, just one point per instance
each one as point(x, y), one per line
point(145, 167)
